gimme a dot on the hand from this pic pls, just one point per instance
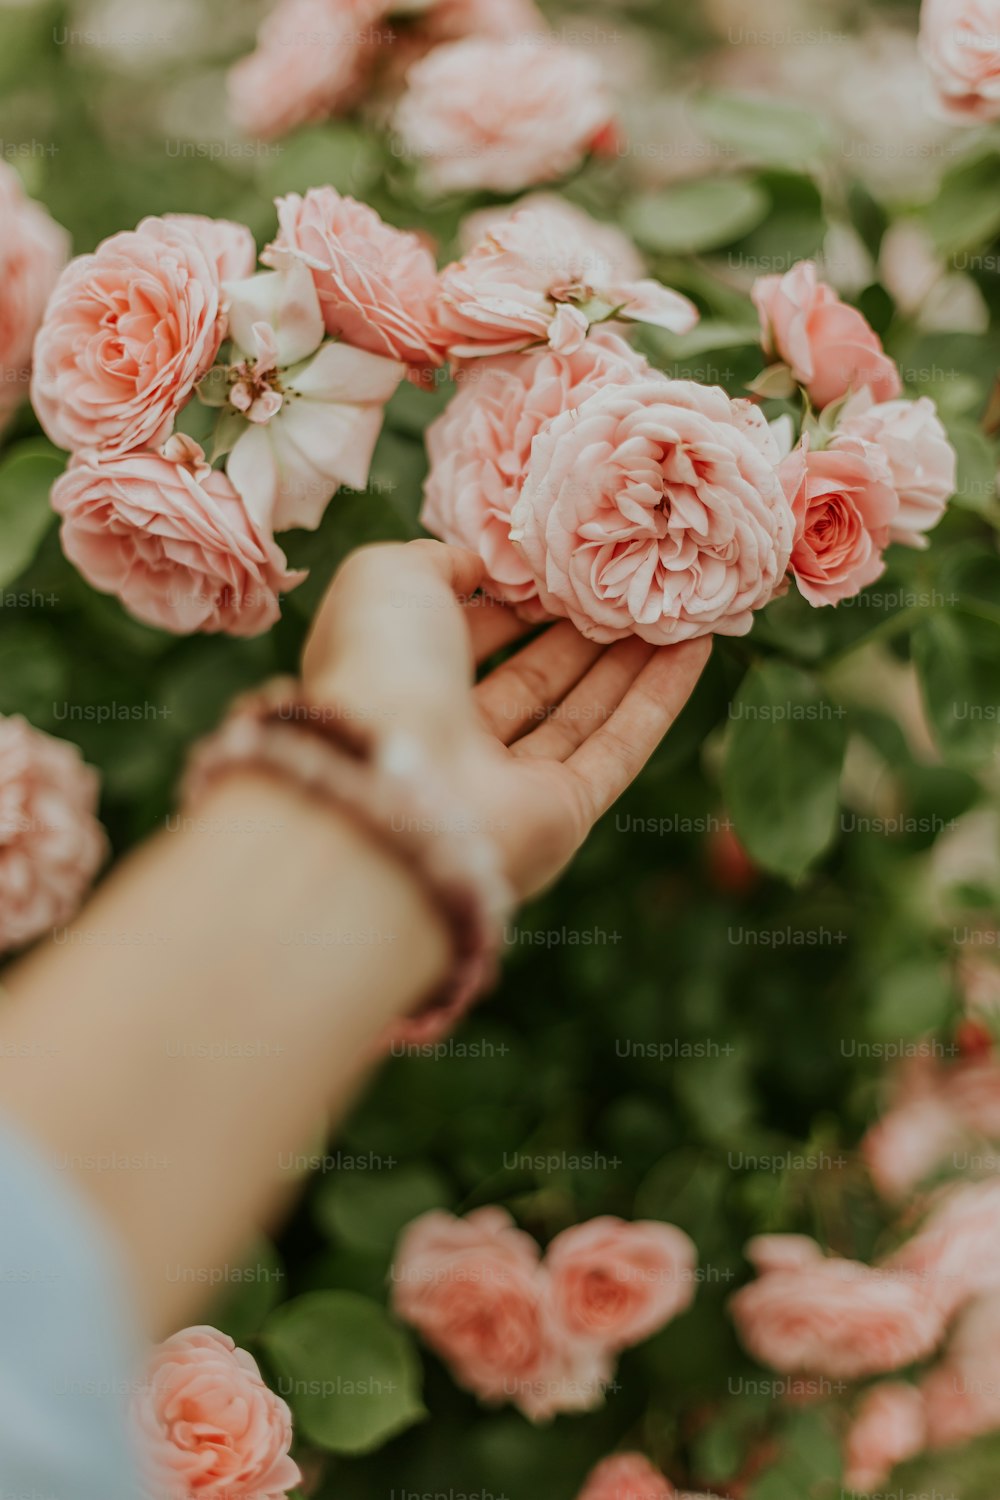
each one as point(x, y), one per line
point(543, 745)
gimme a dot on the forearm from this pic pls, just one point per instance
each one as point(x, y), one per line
point(206, 1015)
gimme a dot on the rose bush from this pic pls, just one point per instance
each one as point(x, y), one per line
point(764, 1002)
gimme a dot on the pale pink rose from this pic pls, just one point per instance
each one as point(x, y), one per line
point(909, 1143)
point(51, 844)
point(836, 1318)
point(33, 251)
point(829, 346)
point(953, 1256)
point(960, 42)
point(655, 509)
point(889, 1428)
point(616, 1283)
point(962, 1393)
point(480, 445)
point(128, 333)
point(921, 460)
point(207, 1426)
point(502, 115)
point(610, 244)
point(173, 540)
point(845, 504)
point(476, 1292)
point(377, 285)
point(311, 62)
point(542, 275)
point(972, 1090)
point(230, 247)
point(627, 1476)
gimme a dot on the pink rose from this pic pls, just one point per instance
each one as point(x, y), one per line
point(311, 62)
point(655, 509)
point(480, 446)
point(208, 1426)
point(230, 247)
point(33, 251)
point(834, 1317)
point(616, 1283)
point(51, 844)
point(908, 1143)
point(377, 285)
point(829, 346)
point(954, 1255)
point(845, 505)
point(889, 1428)
point(128, 333)
point(172, 539)
point(962, 1393)
point(921, 460)
point(627, 1476)
point(502, 115)
point(476, 1292)
point(544, 275)
point(609, 244)
point(960, 42)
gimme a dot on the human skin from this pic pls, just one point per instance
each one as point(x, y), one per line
point(198, 1059)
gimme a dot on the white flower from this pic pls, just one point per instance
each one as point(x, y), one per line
point(308, 410)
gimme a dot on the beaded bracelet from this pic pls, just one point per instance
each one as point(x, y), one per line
point(387, 787)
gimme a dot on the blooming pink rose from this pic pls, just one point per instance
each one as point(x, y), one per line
point(480, 445)
point(616, 1283)
point(960, 42)
point(845, 504)
point(51, 844)
point(311, 62)
point(207, 1425)
point(909, 1142)
point(609, 244)
point(172, 539)
point(889, 1427)
point(834, 1317)
point(128, 333)
point(627, 1476)
point(33, 251)
point(829, 346)
point(476, 1291)
point(655, 509)
point(377, 285)
point(953, 1256)
point(502, 115)
point(544, 275)
point(921, 460)
point(230, 247)
point(962, 1393)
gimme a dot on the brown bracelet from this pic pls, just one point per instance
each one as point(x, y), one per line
point(385, 787)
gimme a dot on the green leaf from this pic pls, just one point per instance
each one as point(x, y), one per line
point(977, 468)
point(369, 1209)
point(783, 765)
point(763, 130)
point(351, 1376)
point(251, 1291)
point(26, 479)
point(957, 655)
point(697, 215)
point(965, 211)
point(912, 1000)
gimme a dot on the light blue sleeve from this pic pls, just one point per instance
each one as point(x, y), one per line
point(68, 1347)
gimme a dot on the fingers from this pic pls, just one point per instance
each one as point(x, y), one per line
point(590, 704)
point(518, 695)
point(391, 639)
point(492, 626)
point(609, 761)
